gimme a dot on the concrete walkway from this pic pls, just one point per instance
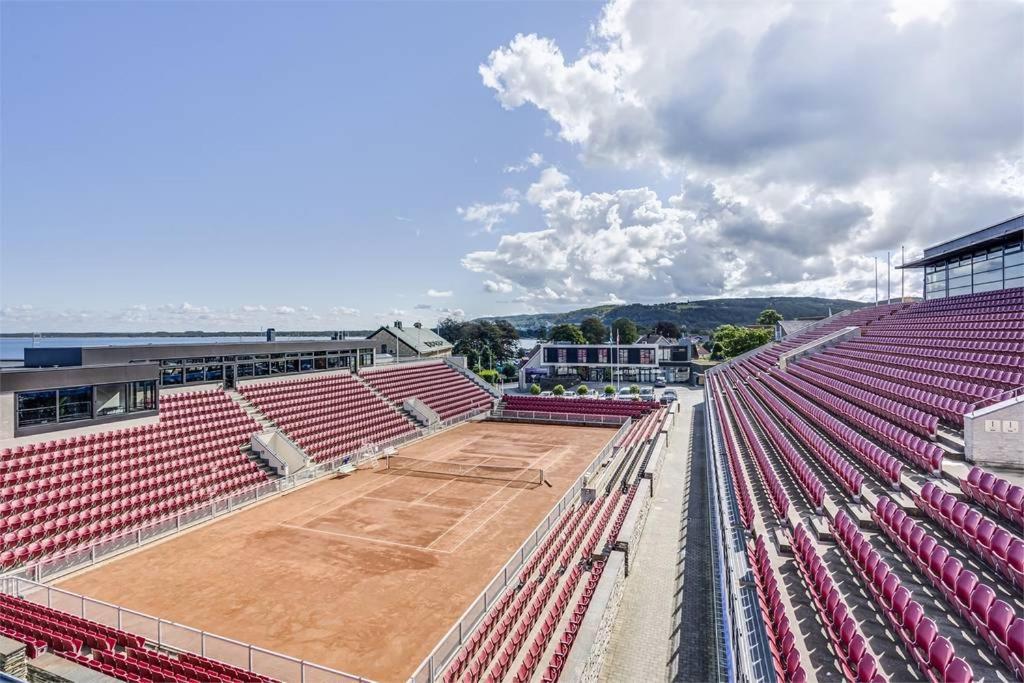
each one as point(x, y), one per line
point(663, 628)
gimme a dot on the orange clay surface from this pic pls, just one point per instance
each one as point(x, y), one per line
point(365, 572)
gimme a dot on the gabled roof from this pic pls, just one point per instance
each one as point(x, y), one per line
point(421, 339)
point(656, 339)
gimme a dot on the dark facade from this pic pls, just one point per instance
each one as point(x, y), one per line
point(987, 260)
point(60, 388)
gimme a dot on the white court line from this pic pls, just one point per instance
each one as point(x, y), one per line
point(429, 505)
point(499, 509)
point(368, 539)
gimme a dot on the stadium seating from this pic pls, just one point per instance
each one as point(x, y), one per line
point(328, 416)
point(112, 651)
point(61, 494)
point(446, 391)
point(996, 493)
point(845, 421)
point(554, 404)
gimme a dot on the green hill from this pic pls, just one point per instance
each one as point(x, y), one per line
point(696, 317)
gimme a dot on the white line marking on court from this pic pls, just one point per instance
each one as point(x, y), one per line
point(429, 505)
point(367, 538)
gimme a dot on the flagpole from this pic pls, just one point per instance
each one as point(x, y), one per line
point(876, 281)
point(888, 277)
point(903, 278)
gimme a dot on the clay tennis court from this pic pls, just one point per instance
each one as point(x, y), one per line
point(363, 572)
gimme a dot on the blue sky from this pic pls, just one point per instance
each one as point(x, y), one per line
point(327, 165)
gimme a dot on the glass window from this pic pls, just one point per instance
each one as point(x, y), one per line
point(959, 290)
point(170, 362)
point(262, 356)
point(962, 281)
point(249, 357)
point(291, 355)
point(262, 369)
point(75, 403)
point(141, 396)
point(306, 365)
point(169, 376)
point(320, 363)
point(244, 370)
point(214, 373)
point(991, 264)
point(334, 362)
point(291, 365)
point(935, 277)
point(195, 373)
point(277, 367)
point(958, 271)
point(1014, 272)
point(37, 407)
point(214, 359)
point(319, 353)
point(1014, 259)
point(276, 355)
point(111, 399)
point(990, 276)
point(1016, 282)
point(988, 286)
point(194, 361)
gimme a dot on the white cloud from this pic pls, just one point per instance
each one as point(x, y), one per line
point(535, 159)
point(438, 294)
point(804, 137)
point(488, 216)
point(498, 286)
point(344, 311)
point(284, 310)
point(452, 312)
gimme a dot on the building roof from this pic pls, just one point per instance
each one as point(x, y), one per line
point(421, 339)
point(657, 339)
point(993, 234)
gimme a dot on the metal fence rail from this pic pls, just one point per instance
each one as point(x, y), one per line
point(171, 636)
point(51, 568)
point(449, 645)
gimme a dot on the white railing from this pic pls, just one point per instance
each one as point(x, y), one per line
point(472, 376)
point(53, 567)
point(433, 666)
point(170, 636)
point(565, 418)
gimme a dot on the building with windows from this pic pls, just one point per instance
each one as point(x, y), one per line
point(640, 362)
point(70, 387)
point(982, 261)
point(405, 342)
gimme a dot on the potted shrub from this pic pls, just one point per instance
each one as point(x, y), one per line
point(558, 390)
point(609, 390)
point(535, 389)
point(582, 390)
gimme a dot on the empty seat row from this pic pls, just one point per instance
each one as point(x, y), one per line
point(933, 653)
point(855, 660)
point(927, 456)
point(1002, 550)
point(992, 619)
point(996, 493)
point(781, 640)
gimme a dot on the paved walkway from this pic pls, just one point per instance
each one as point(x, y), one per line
point(662, 632)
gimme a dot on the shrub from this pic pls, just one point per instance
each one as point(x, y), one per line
point(634, 389)
point(558, 390)
point(510, 372)
point(489, 376)
point(609, 390)
point(534, 389)
point(582, 390)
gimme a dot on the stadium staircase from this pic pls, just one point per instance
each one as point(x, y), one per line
point(849, 476)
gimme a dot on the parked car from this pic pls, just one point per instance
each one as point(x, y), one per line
point(659, 382)
point(668, 396)
point(547, 393)
point(646, 394)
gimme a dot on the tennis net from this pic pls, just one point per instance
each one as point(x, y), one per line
point(526, 475)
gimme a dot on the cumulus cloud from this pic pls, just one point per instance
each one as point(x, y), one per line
point(489, 216)
point(534, 160)
point(804, 137)
point(498, 286)
point(439, 294)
